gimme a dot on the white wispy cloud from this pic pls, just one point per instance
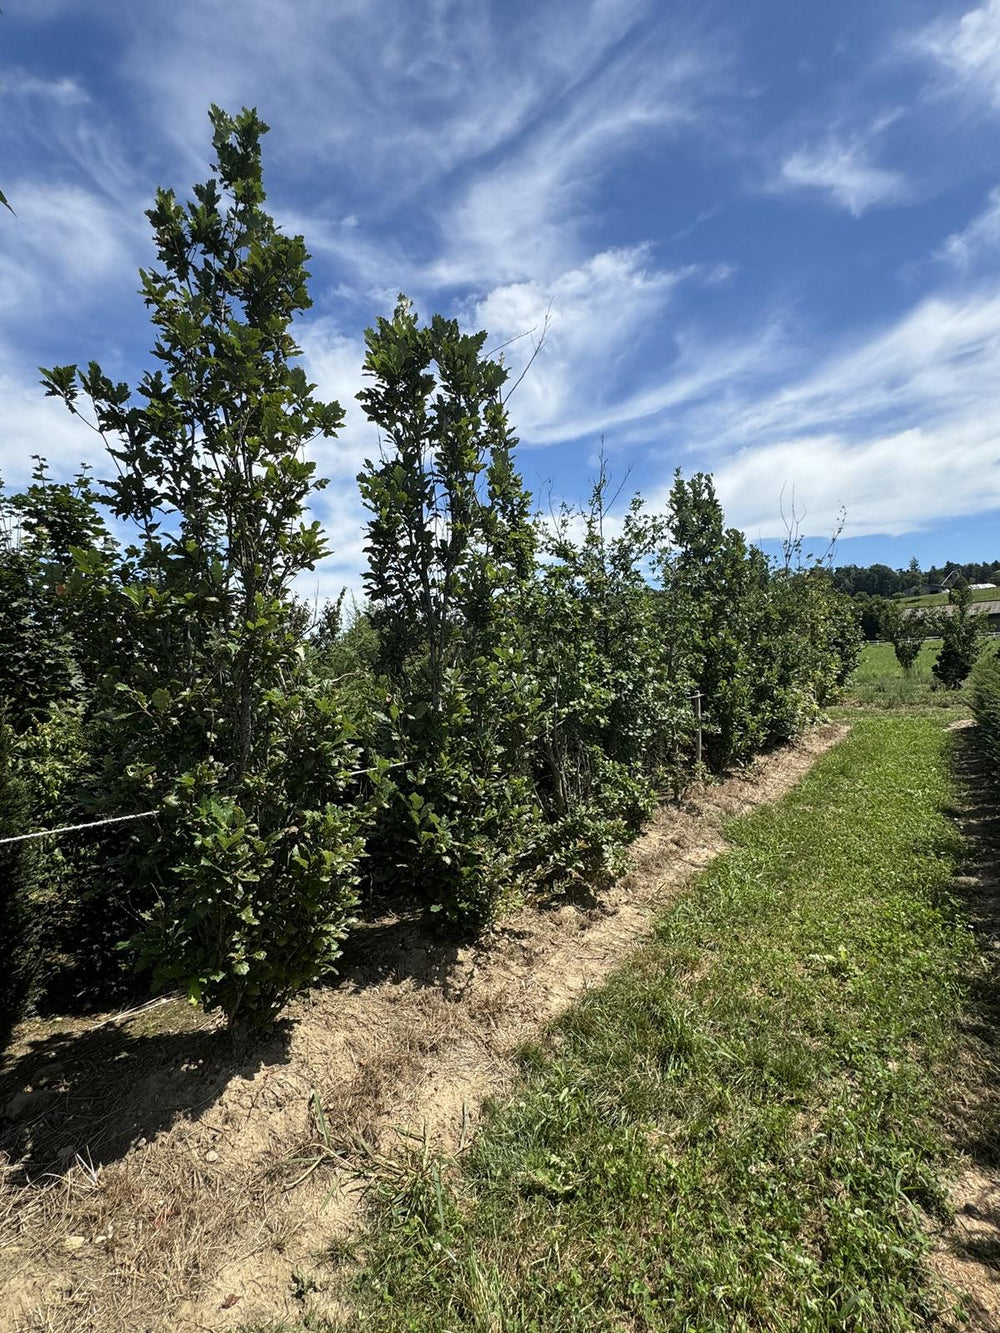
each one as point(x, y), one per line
point(79, 234)
point(902, 429)
point(67, 247)
point(890, 485)
point(509, 179)
point(20, 83)
point(979, 240)
point(34, 424)
point(588, 316)
point(585, 379)
point(966, 51)
point(402, 91)
point(524, 216)
point(60, 122)
point(937, 361)
point(842, 169)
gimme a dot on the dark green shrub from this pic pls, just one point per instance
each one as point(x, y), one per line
point(245, 883)
point(767, 648)
point(19, 874)
point(616, 720)
point(78, 915)
point(811, 641)
point(873, 612)
point(450, 547)
point(961, 635)
point(57, 624)
point(715, 610)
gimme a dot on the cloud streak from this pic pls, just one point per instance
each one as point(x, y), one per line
point(635, 176)
point(901, 430)
point(979, 240)
point(842, 170)
point(966, 51)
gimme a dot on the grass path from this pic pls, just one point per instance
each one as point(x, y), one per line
point(738, 1131)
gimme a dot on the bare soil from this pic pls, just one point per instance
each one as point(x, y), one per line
point(155, 1179)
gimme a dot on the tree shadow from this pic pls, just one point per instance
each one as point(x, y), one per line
point(392, 942)
point(396, 945)
point(975, 1117)
point(94, 1094)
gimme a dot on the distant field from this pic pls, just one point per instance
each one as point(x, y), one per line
point(878, 662)
point(941, 598)
point(879, 680)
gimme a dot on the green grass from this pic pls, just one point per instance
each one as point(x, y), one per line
point(737, 1131)
point(880, 682)
point(941, 598)
point(878, 662)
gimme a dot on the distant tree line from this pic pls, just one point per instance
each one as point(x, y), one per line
point(881, 581)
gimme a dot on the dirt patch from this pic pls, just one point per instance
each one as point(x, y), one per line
point(150, 1169)
point(967, 1253)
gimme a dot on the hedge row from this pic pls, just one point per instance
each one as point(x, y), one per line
point(496, 723)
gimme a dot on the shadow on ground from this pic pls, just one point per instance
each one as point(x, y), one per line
point(392, 942)
point(95, 1093)
point(977, 888)
point(969, 1252)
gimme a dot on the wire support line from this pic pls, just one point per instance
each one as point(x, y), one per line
point(75, 828)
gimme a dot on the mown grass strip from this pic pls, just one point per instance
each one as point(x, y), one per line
point(737, 1131)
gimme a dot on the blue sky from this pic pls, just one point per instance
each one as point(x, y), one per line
point(767, 234)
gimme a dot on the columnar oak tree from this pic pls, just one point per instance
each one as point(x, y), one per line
point(252, 875)
point(450, 549)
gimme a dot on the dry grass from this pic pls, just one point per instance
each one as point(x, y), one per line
point(148, 1171)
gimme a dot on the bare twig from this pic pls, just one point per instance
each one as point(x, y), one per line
point(537, 347)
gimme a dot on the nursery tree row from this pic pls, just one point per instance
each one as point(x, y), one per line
point(494, 725)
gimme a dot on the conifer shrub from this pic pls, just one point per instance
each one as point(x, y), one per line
point(961, 636)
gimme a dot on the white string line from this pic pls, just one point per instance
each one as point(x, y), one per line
point(74, 828)
point(146, 814)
